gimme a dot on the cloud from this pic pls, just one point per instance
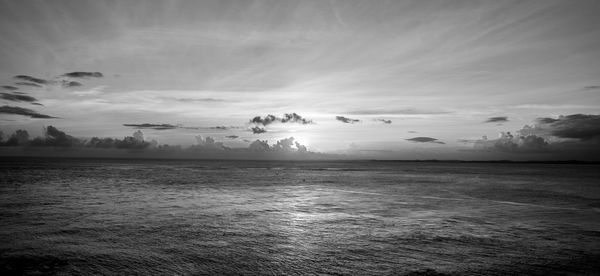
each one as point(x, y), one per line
point(28, 84)
point(507, 142)
point(31, 79)
point(267, 120)
point(295, 118)
point(152, 126)
point(15, 110)
point(67, 84)
point(55, 137)
point(258, 130)
point(287, 118)
point(501, 119)
point(384, 121)
point(8, 87)
point(592, 87)
point(576, 133)
point(575, 126)
point(425, 140)
point(17, 97)
point(412, 131)
point(283, 145)
point(346, 120)
point(83, 74)
point(232, 136)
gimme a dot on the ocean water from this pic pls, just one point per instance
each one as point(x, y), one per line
point(151, 217)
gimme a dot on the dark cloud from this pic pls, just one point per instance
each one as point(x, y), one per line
point(232, 136)
point(412, 131)
point(267, 120)
point(295, 118)
point(220, 127)
point(68, 84)
point(28, 84)
point(287, 118)
point(258, 130)
point(83, 75)
point(592, 87)
point(32, 79)
point(17, 97)
point(501, 119)
point(507, 142)
point(37, 104)
point(23, 111)
point(384, 121)
point(346, 120)
point(55, 137)
point(8, 87)
point(425, 140)
point(576, 126)
point(152, 126)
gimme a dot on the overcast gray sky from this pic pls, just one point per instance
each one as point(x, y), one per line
point(369, 74)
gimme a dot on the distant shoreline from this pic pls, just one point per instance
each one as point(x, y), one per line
point(4, 159)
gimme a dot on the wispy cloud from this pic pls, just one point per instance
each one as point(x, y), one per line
point(32, 79)
point(402, 111)
point(383, 121)
point(501, 119)
point(17, 97)
point(28, 84)
point(79, 74)
point(152, 126)
point(9, 87)
point(15, 110)
point(425, 140)
point(346, 120)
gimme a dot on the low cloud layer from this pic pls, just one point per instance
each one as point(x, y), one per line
point(206, 147)
point(15, 110)
point(501, 119)
point(346, 120)
point(425, 140)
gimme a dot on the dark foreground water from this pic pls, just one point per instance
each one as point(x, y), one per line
point(125, 217)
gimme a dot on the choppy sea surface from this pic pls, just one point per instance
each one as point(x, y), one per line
point(151, 217)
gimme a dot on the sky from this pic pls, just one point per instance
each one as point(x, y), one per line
point(374, 79)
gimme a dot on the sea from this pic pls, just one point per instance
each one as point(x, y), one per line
point(207, 217)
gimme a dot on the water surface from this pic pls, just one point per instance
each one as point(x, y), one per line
point(77, 216)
